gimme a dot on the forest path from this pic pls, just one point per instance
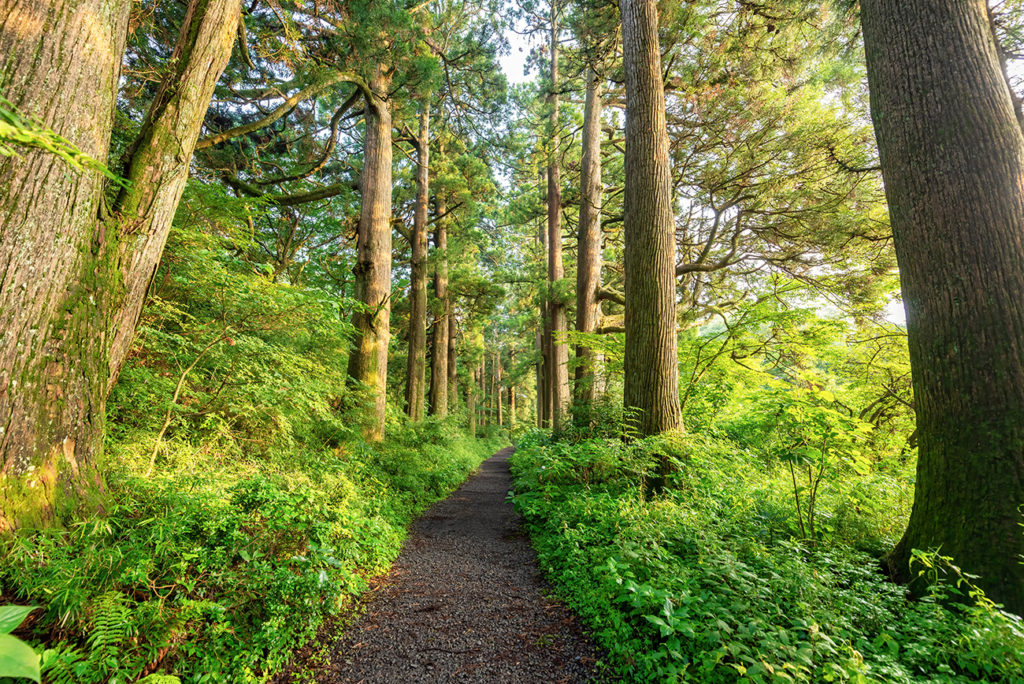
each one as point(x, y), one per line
point(464, 602)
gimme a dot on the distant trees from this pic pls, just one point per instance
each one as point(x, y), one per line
point(954, 179)
point(300, 134)
point(75, 268)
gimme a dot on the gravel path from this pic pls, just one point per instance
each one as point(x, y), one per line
point(465, 602)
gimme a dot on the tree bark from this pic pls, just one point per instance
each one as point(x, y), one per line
point(442, 320)
point(544, 331)
point(72, 314)
point(651, 392)
point(558, 368)
point(53, 268)
point(415, 386)
point(588, 249)
point(453, 371)
point(368, 361)
point(952, 156)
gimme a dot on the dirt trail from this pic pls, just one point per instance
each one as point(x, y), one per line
point(465, 602)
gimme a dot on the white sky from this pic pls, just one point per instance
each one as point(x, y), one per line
point(512, 63)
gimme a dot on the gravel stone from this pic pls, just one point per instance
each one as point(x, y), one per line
point(465, 602)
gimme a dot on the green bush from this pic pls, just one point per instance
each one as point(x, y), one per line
point(219, 576)
point(709, 581)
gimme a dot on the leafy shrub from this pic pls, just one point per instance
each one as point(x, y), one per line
point(709, 581)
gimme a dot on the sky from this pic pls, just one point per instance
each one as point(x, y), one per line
point(512, 63)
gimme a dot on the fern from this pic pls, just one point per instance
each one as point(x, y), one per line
point(111, 629)
point(64, 665)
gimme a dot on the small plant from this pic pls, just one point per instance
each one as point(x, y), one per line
point(814, 440)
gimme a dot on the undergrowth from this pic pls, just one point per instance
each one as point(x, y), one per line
point(712, 580)
point(242, 505)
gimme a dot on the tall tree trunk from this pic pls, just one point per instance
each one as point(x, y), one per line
point(368, 361)
point(558, 368)
point(75, 276)
point(952, 156)
point(651, 391)
point(588, 250)
point(415, 386)
point(442, 321)
point(453, 371)
point(53, 270)
point(544, 332)
point(160, 157)
point(511, 406)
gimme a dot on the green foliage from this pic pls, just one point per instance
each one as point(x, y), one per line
point(218, 574)
point(17, 659)
point(243, 509)
point(18, 130)
point(709, 581)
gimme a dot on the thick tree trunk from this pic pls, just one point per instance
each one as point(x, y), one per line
point(588, 250)
point(558, 368)
point(368, 361)
point(160, 157)
point(952, 156)
point(89, 270)
point(415, 385)
point(54, 263)
point(442, 320)
point(651, 391)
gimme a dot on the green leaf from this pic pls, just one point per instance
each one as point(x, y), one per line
point(12, 616)
point(665, 628)
point(17, 659)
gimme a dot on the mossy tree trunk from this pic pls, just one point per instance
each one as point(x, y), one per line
point(76, 273)
point(651, 392)
point(159, 158)
point(415, 385)
point(952, 155)
point(54, 266)
point(368, 360)
point(588, 245)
